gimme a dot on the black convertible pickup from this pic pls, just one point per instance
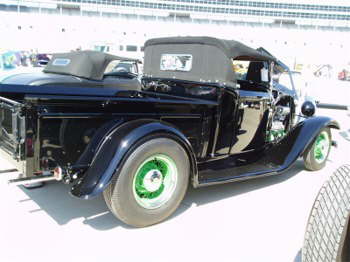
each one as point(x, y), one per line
point(204, 112)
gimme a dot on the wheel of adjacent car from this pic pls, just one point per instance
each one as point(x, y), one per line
point(316, 155)
point(151, 184)
point(327, 232)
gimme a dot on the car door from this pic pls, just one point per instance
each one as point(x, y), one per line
point(253, 110)
point(252, 119)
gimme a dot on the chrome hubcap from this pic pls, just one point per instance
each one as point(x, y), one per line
point(155, 181)
point(322, 145)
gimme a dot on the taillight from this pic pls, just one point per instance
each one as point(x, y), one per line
point(29, 147)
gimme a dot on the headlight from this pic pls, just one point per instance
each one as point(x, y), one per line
point(308, 108)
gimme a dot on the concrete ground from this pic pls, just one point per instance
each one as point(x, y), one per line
point(257, 220)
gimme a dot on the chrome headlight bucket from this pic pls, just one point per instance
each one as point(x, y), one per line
point(308, 109)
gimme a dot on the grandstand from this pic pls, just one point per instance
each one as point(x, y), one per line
point(334, 13)
point(288, 28)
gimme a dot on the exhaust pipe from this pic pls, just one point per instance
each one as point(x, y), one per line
point(46, 176)
point(8, 171)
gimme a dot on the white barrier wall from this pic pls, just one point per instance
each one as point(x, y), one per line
point(57, 33)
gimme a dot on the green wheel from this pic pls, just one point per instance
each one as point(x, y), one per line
point(155, 181)
point(322, 145)
point(316, 155)
point(151, 184)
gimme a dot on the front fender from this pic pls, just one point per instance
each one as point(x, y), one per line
point(114, 148)
point(292, 146)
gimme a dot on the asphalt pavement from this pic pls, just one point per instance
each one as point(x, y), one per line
point(258, 220)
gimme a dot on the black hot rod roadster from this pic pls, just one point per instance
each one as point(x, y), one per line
point(205, 112)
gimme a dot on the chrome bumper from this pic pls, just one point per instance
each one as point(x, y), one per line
point(13, 143)
point(20, 166)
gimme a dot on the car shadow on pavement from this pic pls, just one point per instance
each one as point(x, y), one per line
point(55, 200)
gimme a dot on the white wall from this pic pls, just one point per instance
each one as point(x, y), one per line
point(44, 32)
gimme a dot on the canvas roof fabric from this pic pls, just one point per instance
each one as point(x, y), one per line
point(232, 49)
point(209, 60)
point(86, 64)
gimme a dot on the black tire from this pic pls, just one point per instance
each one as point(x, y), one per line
point(310, 161)
point(326, 232)
point(120, 195)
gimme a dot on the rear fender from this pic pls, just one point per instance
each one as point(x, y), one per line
point(114, 148)
point(87, 156)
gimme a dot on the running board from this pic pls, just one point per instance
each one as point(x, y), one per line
point(274, 159)
point(230, 170)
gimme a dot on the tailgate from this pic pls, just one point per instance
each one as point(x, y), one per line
point(12, 132)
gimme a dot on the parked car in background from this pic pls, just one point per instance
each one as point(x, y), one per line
point(324, 71)
point(344, 75)
point(192, 120)
point(39, 60)
point(10, 60)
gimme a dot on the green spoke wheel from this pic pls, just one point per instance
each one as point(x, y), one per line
point(316, 155)
point(151, 182)
point(155, 181)
point(322, 145)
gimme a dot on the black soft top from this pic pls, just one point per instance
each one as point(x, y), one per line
point(199, 59)
point(85, 64)
point(232, 49)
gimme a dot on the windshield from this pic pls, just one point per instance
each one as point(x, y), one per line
point(300, 84)
point(255, 71)
point(284, 79)
point(119, 66)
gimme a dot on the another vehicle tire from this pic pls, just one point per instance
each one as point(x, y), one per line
point(327, 231)
point(151, 184)
point(316, 155)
